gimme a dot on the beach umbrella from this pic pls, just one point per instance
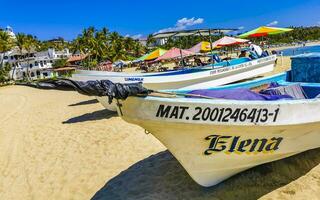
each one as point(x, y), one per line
point(264, 31)
point(200, 47)
point(175, 53)
point(228, 41)
point(152, 55)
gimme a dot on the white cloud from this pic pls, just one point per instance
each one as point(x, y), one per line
point(273, 23)
point(138, 36)
point(182, 24)
point(135, 37)
point(188, 22)
point(241, 27)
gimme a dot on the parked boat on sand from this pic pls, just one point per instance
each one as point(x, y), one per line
point(215, 134)
point(200, 77)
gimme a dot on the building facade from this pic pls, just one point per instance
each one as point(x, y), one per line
point(37, 64)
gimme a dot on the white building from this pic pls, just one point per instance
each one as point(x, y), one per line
point(37, 64)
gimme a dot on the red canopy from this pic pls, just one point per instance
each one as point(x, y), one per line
point(175, 53)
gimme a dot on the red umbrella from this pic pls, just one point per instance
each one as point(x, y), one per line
point(175, 53)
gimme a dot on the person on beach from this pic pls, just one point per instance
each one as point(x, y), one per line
point(243, 54)
point(198, 61)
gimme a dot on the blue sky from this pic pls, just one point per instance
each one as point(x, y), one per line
point(49, 19)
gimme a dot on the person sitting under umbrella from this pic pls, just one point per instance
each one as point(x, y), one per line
point(198, 61)
point(243, 54)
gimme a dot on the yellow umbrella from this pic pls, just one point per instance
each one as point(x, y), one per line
point(155, 54)
point(201, 47)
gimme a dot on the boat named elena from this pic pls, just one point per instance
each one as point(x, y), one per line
point(216, 133)
point(235, 144)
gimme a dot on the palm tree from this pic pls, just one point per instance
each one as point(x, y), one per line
point(27, 43)
point(116, 50)
point(101, 45)
point(6, 44)
point(30, 45)
point(138, 49)
point(20, 42)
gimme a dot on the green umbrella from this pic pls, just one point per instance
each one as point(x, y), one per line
point(152, 55)
point(264, 31)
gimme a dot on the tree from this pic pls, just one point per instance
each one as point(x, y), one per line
point(59, 63)
point(101, 45)
point(25, 43)
point(20, 42)
point(57, 44)
point(4, 72)
point(6, 44)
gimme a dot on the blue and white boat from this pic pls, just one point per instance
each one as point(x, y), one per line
point(216, 133)
point(199, 77)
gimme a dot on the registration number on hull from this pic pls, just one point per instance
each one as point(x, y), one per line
point(215, 114)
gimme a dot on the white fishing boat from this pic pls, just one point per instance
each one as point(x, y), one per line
point(215, 136)
point(200, 77)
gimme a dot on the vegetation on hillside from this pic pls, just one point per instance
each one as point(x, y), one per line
point(102, 45)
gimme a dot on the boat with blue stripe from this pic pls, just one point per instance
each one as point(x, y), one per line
point(199, 77)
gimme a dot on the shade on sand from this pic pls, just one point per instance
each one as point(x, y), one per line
point(228, 41)
point(264, 31)
point(175, 53)
point(153, 55)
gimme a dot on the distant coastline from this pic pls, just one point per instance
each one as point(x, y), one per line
point(289, 46)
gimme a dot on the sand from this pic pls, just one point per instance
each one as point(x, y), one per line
point(62, 145)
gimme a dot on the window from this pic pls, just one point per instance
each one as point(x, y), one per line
point(36, 63)
point(38, 73)
point(45, 74)
point(31, 66)
point(32, 74)
point(45, 62)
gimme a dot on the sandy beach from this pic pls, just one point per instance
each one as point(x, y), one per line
point(63, 145)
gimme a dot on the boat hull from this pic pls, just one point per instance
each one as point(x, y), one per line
point(214, 150)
